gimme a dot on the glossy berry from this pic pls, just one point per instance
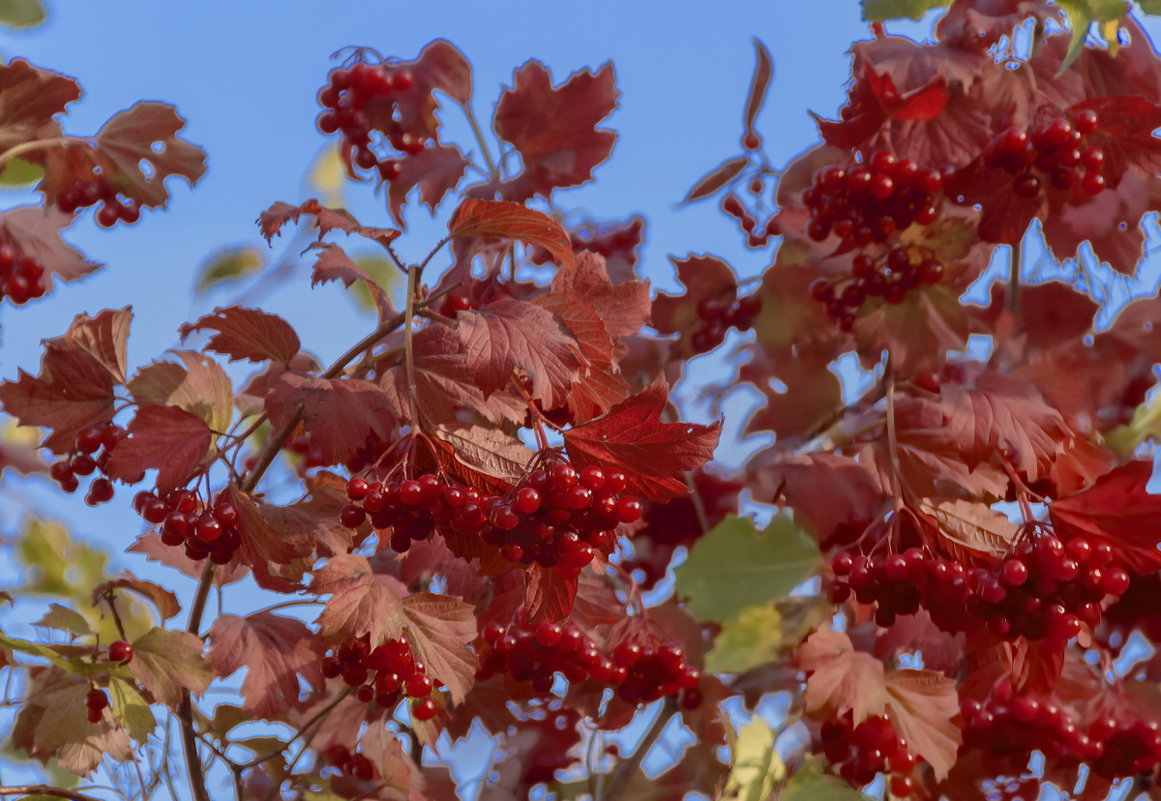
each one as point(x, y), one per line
point(120, 651)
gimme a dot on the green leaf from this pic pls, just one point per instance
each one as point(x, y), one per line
point(883, 10)
point(18, 172)
point(749, 639)
point(228, 264)
point(1150, 6)
point(756, 766)
point(131, 710)
point(21, 13)
point(810, 785)
point(165, 661)
point(64, 619)
point(733, 566)
point(1081, 15)
point(44, 652)
point(56, 564)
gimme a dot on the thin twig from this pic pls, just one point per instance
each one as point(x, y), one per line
point(892, 442)
point(1014, 260)
point(494, 174)
point(45, 789)
point(628, 767)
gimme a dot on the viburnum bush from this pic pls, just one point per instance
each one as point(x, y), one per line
point(936, 575)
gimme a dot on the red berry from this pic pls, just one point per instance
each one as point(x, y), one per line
point(1086, 121)
point(1093, 183)
point(424, 710)
point(628, 509)
point(357, 489)
point(1027, 185)
point(419, 686)
point(352, 515)
point(120, 651)
point(96, 715)
point(96, 699)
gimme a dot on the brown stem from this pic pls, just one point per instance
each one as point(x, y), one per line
point(1014, 260)
point(45, 789)
point(408, 348)
point(28, 147)
point(493, 173)
point(626, 769)
point(892, 441)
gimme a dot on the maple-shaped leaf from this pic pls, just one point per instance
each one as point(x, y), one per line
point(104, 337)
point(166, 662)
point(549, 594)
point(362, 601)
point(163, 438)
point(482, 451)
point(250, 334)
point(313, 525)
point(435, 170)
point(922, 705)
point(338, 413)
point(703, 277)
point(918, 332)
point(507, 335)
point(395, 770)
point(439, 66)
point(275, 650)
point(785, 326)
point(154, 550)
point(270, 222)
point(30, 98)
point(261, 546)
point(36, 230)
point(198, 385)
point(631, 438)
point(47, 726)
point(970, 530)
point(834, 493)
point(145, 133)
point(74, 390)
point(439, 629)
point(554, 129)
point(1110, 222)
point(840, 678)
point(1117, 509)
point(163, 600)
point(498, 218)
point(623, 307)
point(801, 393)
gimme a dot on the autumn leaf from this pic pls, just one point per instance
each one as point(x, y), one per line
point(261, 547)
point(436, 170)
point(250, 334)
point(36, 230)
point(31, 98)
point(147, 132)
point(923, 705)
point(917, 332)
point(497, 218)
point(623, 307)
point(163, 600)
point(839, 678)
point(487, 451)
point(275, 650)
point(703, 276)
point(1119, 510)
point(163, 438)
point(198, 385)
point(718, 177)
point(755, 764)
point(362, 601)
point(271, 221)
point(630, 438)
point(968, 529)
point(166, 662)
point(440, 628)
point(554, 129)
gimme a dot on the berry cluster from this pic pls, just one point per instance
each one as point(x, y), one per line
point(84, 460)
point(1053, 154)
point(757, 236)
point(717, 317)
point(1006, 730)
point(96, 701)
point(359, 100)
point(21, 276)
point(860, 753)
point(206, 530)
point(355, 764)
point(560, 518)
point(890, 278)
point(385, 674)
point(640, 672)
point(98, 190)
point(1046, 589)
point(868, 202)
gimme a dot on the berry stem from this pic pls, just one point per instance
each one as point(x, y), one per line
point(493, 172)
point(892, 442)
point(44, 789)
point(408, 348)
point(1014, 263)
point(38, 144)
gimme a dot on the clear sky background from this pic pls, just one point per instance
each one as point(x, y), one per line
point(245, 74)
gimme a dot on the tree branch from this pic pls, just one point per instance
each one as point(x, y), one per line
point(625, 770)
point(45, 789)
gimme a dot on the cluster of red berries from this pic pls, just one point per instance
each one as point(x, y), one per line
point(718, 316)
point(84, 460)
point(359, 100)
point(384, 674)
point(868, 202)
point(96, 701)
point(610, 241)
point(205, 530)
point(355, 764)
point(98, 190)
point(1053, 154)
point(560, 518)
point(757, 236)
point(860, 753)
point(1046, 589)
point(21, 276)
point(1006, 730)
point(639, 672)
point(891, 278)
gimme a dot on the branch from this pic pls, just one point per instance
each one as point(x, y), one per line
point(1014, 264)
point(45, 789)
point(625, 770)
point(892, 441)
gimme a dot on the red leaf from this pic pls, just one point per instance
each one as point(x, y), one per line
point(623, 307)
point(312, 526)
point(30, 97)
point(326, 220)
point(717, 178)
point(163, 438)
point(439, 629)
point(510, 334)
point(549, 594)
point(486, 218)
point(834, 492)
point(435, 170)
point(759, 83)
point(275, 651)
point(918, 332)
point(1125, 134)
point(36, 231)
point(840, 678)
point(585, 324)
point(154, 550)
point(250, 334)
point(104, 337)
point(362, 601)
point(631, 439)
point(702, 277)
point(338, 413)
point(1119, 510)
point(162, 599)
point(809, 394)
point(261, 546)
point(333, 264)
point(199, 386)
point(554, 128)
point(147, 132)
point(1110, 222)
point(923, 705)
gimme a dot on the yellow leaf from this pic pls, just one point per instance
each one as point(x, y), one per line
point(756, 766)
point(327, 177)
